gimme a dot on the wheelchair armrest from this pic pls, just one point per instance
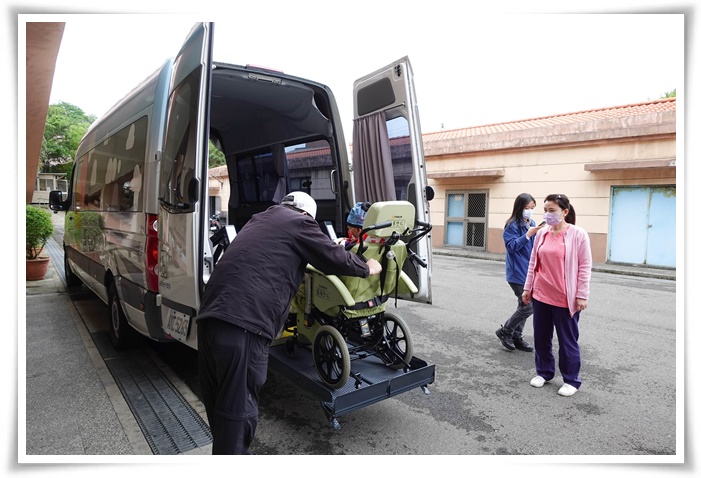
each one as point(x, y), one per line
point(335, 282)
point(406, 285)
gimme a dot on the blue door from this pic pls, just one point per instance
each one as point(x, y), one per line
point(643, 226)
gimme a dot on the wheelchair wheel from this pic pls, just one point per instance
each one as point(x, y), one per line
point(331, 357)
point(398, 340)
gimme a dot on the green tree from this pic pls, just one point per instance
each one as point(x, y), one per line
point(65, 126)
point(670, 94)
point(216, 157)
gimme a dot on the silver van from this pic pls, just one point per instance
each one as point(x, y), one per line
point(137, 209)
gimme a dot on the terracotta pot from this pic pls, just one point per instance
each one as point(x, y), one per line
point(37, 268)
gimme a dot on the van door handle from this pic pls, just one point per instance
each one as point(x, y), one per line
point(333, 181)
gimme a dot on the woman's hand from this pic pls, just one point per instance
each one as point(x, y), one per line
point(581, 304)
point(526, 297)
point(532, 230)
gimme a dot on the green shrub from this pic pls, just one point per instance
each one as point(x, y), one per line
point(39, 230)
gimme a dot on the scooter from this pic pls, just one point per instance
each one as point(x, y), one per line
point(214, 223)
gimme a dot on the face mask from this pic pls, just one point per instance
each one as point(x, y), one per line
point(527, 214)
point(551, 218)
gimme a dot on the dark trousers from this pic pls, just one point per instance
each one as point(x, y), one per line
point(545, 319)
point(233, 366)
point(514, 326)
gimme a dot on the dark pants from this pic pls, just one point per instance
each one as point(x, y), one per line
point(233, 366)
point(514, 326)
point(545, 319)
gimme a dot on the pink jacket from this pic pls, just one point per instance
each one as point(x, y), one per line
point(577, 264)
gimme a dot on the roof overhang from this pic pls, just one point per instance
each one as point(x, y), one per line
point(468, 173)
point(622, 165)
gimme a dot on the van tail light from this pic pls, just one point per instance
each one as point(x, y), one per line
point(152, 252)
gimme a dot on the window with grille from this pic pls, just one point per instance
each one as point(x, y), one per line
point(466, 219)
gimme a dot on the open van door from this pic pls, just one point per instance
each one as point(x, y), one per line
point(388, 155)
point(182, 223)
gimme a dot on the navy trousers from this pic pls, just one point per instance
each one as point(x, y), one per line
point(233, 366)
point(546, 318)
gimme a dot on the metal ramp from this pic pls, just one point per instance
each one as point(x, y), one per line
point(373, 380)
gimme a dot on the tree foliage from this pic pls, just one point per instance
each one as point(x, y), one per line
point(65, 126)
point(216, 157)
point(670, 94)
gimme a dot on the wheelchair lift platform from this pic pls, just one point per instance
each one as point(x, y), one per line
point(371, 381)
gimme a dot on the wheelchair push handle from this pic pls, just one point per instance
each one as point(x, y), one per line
point(418, 232)
point(374, 227)
point(380, 225)
point(416, 259)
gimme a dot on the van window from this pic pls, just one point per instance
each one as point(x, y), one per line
point(259, 179)
point(263, 178)
point(309, 167)
point(400, 148)
point(109, 177)
point(178, 180)
point(268, 175)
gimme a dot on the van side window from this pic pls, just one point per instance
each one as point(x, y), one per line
point(109, 176)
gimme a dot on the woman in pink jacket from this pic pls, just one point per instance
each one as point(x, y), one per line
point(558, 285)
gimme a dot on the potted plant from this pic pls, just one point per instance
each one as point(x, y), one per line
point(39, 230)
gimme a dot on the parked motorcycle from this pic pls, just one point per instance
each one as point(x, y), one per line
point(214, 222)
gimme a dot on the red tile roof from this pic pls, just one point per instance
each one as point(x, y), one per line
point(654, 106)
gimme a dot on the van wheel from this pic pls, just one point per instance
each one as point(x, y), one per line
point(121, 333)
point(72, 280)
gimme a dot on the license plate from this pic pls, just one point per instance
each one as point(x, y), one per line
point(178, 325)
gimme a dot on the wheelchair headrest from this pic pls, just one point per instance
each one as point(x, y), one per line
point(400, 213)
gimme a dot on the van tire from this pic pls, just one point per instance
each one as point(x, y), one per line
point(121, 333)
point(72, 280)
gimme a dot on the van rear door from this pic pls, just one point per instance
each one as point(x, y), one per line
point(183, 186)
point(387, 97)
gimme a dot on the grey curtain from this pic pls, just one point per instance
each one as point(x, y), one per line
point(372, 160)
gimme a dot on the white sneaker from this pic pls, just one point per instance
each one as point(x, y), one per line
point(567, 390)
point(538, 381)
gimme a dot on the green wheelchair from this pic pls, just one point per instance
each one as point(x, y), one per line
point(343, 319)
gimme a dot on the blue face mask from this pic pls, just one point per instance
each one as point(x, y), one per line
point(527, 214)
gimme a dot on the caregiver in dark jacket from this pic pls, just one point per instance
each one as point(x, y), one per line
point(244, 307)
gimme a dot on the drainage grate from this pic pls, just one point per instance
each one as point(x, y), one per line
point(169, 424)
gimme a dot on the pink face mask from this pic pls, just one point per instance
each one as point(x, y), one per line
point(552, 218)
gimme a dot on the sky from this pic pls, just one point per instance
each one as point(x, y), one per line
point(469, 70)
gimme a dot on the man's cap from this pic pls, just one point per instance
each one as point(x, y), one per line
point(302, 201)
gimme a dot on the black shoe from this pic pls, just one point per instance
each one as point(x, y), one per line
point(506, 341)
point(521, 344)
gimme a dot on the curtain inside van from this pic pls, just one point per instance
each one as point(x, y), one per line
point(372, 160)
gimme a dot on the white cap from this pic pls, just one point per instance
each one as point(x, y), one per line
point(301, 201)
